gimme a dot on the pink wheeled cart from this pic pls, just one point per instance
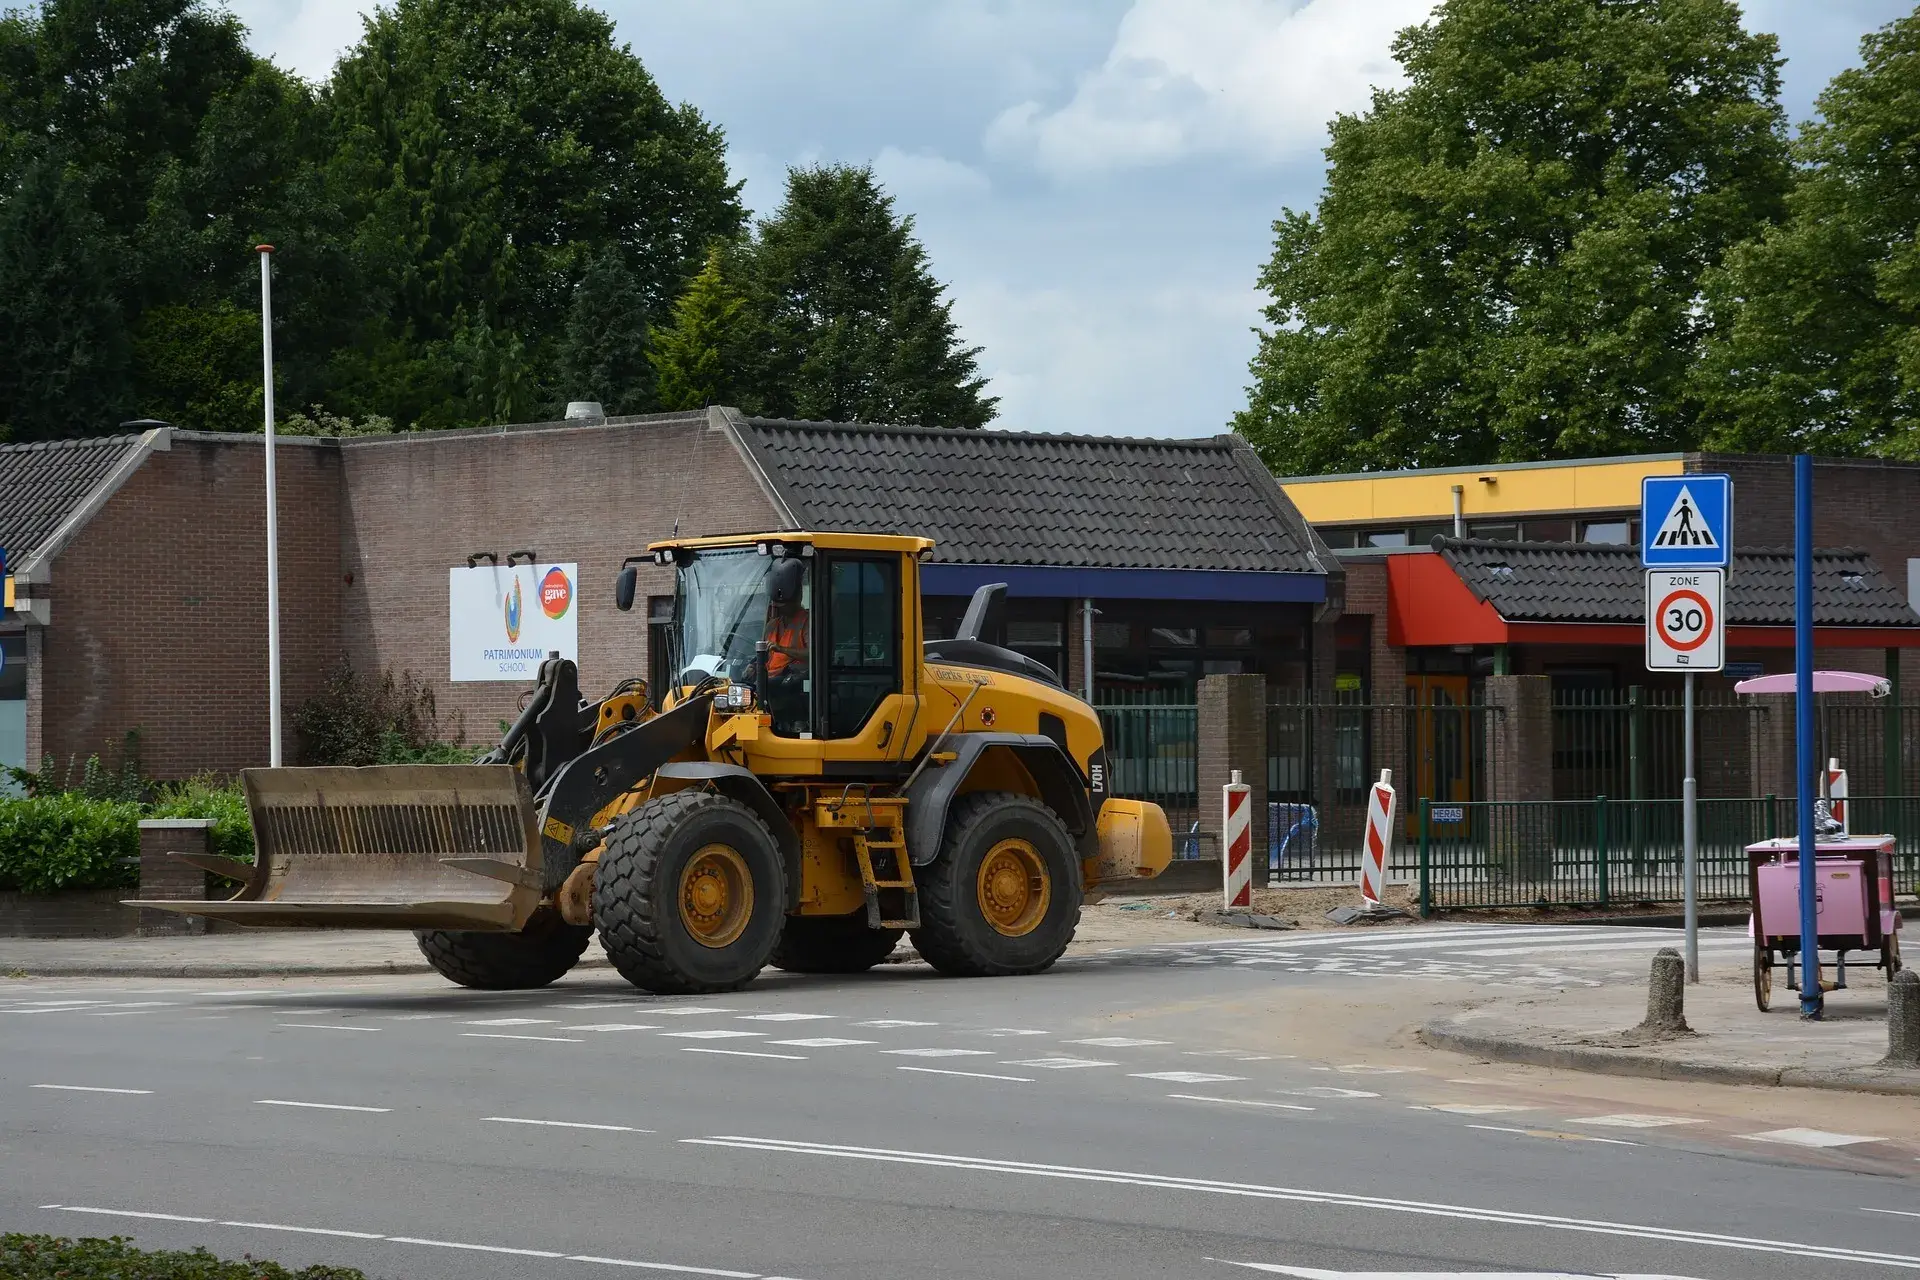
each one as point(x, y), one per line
point(1853, 887)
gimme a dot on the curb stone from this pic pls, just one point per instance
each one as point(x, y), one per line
point(1448, 1034)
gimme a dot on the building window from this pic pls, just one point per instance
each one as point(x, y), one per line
point(13, 705)
point(1336, 539)
point(1509, 532)
point(1607, 532)
point(1387, 538)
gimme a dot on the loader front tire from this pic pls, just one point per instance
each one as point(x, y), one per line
point(1003, 896)
point(538, 955)
point(690, 894)
point(832, 944)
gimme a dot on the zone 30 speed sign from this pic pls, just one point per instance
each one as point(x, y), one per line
point(1685, 624)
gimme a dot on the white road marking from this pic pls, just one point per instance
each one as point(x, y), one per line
point(1905, 1213)
point(317, 1106)
point(1184, 1077)
point(615, 1026)
point(1638, 944)
point(511, 1022)
point(88, 1088)
point(1118, 1042)
point(324, 1026)
point(1009, 1031)
point(508, 1035)
point(414, 1017)
point(785, 1017)
point(977, 1075)
point(1241, 1102)
point(744, 1053)
point(684, 1011)
point(1308, 1195)
point(712, 1034)
point(1630, 1120)
point(568, 1124)
point(1328, 1091)
point(940, 1053)
point(633, 1263)
point(1471, 1108)
point(894, 1022)
point(1057, 1063)
point(1809, 1137)
point(1544, 1133)
point(1316, 1273)
point(821, 1042)
point(1238, 1055)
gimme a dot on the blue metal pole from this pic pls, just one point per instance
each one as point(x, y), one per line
point(1811, 999)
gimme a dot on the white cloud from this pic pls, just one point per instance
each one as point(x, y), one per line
point(305, 36)
point(915, 177)
point(1253, 78)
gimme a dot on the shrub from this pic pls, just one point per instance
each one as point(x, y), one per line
point(120, 778)
point(207, 796)
point(68, 841)
point(54, 1258)
point(357, 721)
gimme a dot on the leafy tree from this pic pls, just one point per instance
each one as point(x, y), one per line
point(603, 350)
point(61, 323)
point(201, 365)
point(1506, 262)
point(1819, 346)
point(492, 153)
point(698, 355)
point(847, 321)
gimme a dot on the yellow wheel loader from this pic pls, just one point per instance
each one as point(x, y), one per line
point(819, 778)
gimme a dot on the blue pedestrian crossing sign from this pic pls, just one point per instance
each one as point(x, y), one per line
point(1686, 522)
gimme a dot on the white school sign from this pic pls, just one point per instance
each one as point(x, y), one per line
point(502, 621)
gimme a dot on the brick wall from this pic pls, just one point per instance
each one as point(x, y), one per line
point(415, 507)
point(160, 604)
point(1232, 729)
point(71, 913)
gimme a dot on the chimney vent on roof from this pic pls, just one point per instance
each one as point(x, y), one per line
point(585, 411)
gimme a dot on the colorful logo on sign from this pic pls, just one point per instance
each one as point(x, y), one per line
point(513, 613)
point(556, 593)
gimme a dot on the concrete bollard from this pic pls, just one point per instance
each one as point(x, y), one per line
point(1903, 1019)
point(1666, 994)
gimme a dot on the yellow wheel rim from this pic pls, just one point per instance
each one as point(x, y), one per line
point(716, 895)
point(1013, 888)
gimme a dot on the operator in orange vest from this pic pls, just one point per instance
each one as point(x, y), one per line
point(785, 691)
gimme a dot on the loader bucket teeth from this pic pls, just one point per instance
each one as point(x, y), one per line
point(382, 847)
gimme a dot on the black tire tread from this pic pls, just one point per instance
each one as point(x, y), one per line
point(626, 909)
point(832, 944)
point(538, 956)
point(940, 940)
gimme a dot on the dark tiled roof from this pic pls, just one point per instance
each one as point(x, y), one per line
point(42, 484)
point(1001, 497)
point(1581, 582)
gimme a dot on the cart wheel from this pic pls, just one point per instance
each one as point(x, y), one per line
point(1763, 978)
point(1890, 956)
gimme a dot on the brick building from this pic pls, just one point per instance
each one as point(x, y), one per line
point(139, 559)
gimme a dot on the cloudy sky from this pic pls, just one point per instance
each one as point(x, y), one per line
point(1094, 179)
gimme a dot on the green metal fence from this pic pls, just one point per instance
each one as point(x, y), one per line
point(1153, 754)
point(1609, 853)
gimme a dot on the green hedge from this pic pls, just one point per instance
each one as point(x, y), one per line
point(66, 841)
point(54, 1258)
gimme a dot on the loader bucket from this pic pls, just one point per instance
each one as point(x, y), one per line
point(369, 848)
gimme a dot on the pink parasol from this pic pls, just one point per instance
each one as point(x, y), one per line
point(1823, 682)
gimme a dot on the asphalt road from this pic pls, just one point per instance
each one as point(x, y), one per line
point(1121, 1116)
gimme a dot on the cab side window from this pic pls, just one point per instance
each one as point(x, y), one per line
point(862, 641)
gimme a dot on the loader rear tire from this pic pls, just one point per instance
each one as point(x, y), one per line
point(690, 894)
point(539, 954)
point(1003, 897)
point(832, 944)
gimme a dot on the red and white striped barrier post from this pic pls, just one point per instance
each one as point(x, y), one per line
point(1837, 796)
point(1236, 837)
point(1373, 863)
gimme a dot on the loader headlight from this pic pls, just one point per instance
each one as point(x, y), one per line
point(736, 697)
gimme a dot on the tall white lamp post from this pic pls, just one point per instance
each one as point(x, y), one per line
point(273, 529)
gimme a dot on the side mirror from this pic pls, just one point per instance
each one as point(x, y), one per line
point(624, 587)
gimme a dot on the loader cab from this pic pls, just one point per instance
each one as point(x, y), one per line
point(819, 626)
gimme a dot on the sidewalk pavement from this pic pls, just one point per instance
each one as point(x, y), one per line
point(282, 953)
point(1733, 1042)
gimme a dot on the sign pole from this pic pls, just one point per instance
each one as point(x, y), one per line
point(273, 529)
point(1690, 844)
point(1811, 1000)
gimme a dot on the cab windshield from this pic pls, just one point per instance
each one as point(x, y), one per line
point(720, 613)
